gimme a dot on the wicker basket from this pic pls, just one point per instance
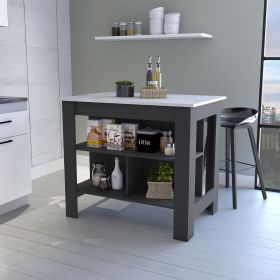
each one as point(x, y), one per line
point(160, 190)
point(149, 93)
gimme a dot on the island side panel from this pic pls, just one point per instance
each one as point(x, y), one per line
point(70, 165)
point(212, 160)
point(184, 177)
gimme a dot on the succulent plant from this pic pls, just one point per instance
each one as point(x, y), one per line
point(124, 83)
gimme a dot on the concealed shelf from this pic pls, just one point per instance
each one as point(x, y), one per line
point(155, 37)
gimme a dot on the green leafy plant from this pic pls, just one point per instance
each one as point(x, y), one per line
point(162, 173)
point(124, 83)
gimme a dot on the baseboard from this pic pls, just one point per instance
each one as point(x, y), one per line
point(13, 205)
point(47, 168)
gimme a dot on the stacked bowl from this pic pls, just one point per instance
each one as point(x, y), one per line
point(156, 20)
point(171, 23)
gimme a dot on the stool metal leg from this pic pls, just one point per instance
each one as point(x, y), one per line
point(233, 171)
point(257, 161)
point(227, 130)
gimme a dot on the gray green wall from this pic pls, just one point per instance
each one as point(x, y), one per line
point(227, 65)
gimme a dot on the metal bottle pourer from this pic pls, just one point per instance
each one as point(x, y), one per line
point(158, 62)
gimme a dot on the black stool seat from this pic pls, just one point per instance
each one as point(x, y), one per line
point(236, 118)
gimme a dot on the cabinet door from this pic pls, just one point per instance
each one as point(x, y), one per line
point(15, 168)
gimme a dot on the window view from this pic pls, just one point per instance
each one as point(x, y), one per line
point(271, 93)
point(270, 107)
point(270, 157)
point(272, 47)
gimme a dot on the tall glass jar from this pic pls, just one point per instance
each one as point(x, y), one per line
point(99, 170)
point(123, 29)
point(138, 28)
point(130, 28)
point(116, 29)
point(165, 139)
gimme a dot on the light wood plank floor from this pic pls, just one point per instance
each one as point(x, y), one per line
point(119, 240)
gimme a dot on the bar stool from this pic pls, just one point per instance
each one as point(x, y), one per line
point(237, 118)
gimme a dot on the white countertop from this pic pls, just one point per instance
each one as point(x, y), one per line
point(172, 100)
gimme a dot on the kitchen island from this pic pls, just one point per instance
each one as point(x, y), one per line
point(195, 122)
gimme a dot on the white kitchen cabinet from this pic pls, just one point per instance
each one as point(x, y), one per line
point(15, 154)
point(15, 168)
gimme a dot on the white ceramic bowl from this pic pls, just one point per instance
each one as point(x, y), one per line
point(171, 28)
point(159, 11)
point(156, 25)
point(173, 16)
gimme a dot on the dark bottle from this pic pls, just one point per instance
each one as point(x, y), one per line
point(149, 76)
point(116, 29)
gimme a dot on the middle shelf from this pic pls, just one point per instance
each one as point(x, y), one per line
point(125, 153)
point(128, 153)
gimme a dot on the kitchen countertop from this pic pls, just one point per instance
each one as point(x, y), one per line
point(7, 99)
point(172, 100)
point(12, 104)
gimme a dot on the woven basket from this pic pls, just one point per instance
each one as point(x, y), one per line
point(149, 93)
point(160, 190)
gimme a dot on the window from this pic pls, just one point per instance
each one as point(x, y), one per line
point(269, 122)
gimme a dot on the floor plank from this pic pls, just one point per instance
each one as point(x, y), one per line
point(120, 240)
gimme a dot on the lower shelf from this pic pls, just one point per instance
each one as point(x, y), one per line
point(86, 187)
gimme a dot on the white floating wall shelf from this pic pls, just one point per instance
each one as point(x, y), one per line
point(3, 13)
point(182, 36)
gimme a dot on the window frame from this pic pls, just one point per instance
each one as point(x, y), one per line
point(263, 60)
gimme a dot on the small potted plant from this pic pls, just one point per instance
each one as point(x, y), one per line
point(160, 182)
point(125, 88)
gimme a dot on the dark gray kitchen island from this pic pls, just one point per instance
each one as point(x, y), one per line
point(195, 121)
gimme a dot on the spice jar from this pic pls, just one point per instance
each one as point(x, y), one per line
point(97, 172)
point(138, 28)
point(123, 29)
point(116, 29)
point(169, 137)
point(170, 150)
point(165, 139)
point(130, 28)
point(105, 183)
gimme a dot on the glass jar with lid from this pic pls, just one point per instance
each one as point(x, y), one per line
point(99, 170)
point(166, 138)
point(116, 29)
point(130, 28)
point(105, 183)
point(138, 28)
point(123, 29)
point(170, 150)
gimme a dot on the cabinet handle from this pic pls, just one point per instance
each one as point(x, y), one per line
point(6, 142)
point(5, 122)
